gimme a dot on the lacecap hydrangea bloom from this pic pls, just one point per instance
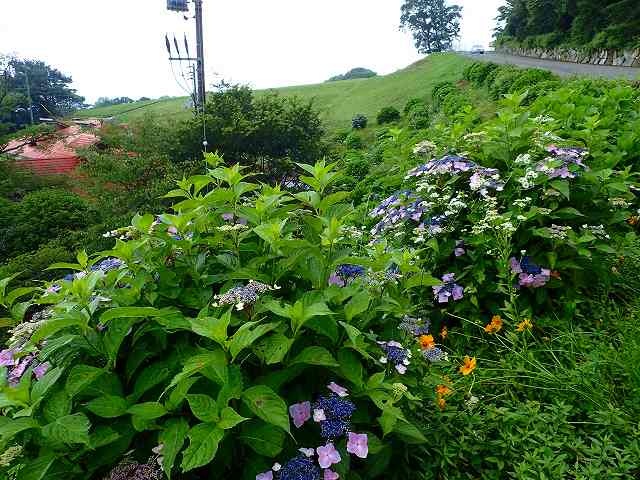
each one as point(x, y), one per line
point(241, 296)
point(529, 274)
point(396, 355)
point(448, 290)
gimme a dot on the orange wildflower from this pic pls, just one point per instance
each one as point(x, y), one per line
point(427, 342)
point(469, 365)
point(633, 220)
point(444, 332)
point(443, 390)
point(441, 402)
point(524, 325)
point(495, 326)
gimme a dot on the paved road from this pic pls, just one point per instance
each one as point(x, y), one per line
point(564, 69)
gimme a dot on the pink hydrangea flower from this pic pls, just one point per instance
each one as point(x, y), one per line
point(330, 475)
point(338, 390)
point(358, 444)
point(300, 413)
point(328, 455)
point(265, 476)
point(336, 280)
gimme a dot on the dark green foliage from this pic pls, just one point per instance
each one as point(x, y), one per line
point(360, 121)
point(478, 72)
point(32, 266)
point(419, 117)
point(106, 101)
point(573, 23)
point(433, 23)
point(455, 103)
point(354, 73)
point(356, 165)
point(413, 103)
point(440, 91)
point(353, 141)
point(267, 132)
point(45, 215)
point(388, 115)
point(33, 84)
point(514, 80)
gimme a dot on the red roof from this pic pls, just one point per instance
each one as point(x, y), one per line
point(53, 154)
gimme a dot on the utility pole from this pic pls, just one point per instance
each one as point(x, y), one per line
point(202, 92)
point(26, 75)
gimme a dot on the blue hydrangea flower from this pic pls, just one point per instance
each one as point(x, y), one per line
point(333, 413)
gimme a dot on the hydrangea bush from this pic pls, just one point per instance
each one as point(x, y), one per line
point(247, 332)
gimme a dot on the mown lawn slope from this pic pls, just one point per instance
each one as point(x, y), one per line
point(338, 102)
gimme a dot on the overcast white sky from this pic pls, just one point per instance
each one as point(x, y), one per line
point(116, 47)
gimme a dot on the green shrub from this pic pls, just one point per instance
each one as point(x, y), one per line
point(45, 215)
point(440, 91)
point(413, 103)
point(359, 121)
point(354, 141)
point(454, 103)
point(356, 165)
point(32, 266)
point(388, 115)
point(419, 117)
point(504, 81)
point(477, 72)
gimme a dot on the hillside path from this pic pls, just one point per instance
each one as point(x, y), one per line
point(564, 69)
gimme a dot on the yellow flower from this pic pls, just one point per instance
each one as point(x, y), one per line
point(495, 326)
point(443, 391)
point(441, 402)
point(444, 332)
point(469, 365)
point(524, 325)
point(427, 342)
point(633, 220)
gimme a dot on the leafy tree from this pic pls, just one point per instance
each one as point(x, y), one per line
point(434, 24)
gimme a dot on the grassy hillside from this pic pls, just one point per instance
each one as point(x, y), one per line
point(337, 101)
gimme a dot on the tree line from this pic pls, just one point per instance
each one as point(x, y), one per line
point(612, 24)
point(30, 89)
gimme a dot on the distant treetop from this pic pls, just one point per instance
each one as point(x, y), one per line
point(354, 73)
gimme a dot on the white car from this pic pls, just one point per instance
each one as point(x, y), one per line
point(477, 50)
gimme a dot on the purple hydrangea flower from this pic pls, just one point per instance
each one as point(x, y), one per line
point(449, 164)
point(265, 476)
point(529, 274)
point(7, 358)
point(228, 217)
point(330, 475)
point(449, 289)
point(358, 444)
point(396, 210)
point(558, 165)
point(41, 370)
point(300, 413)
point(15, 375)
point(328, 455)
point(338, 390)
point(459, 250)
